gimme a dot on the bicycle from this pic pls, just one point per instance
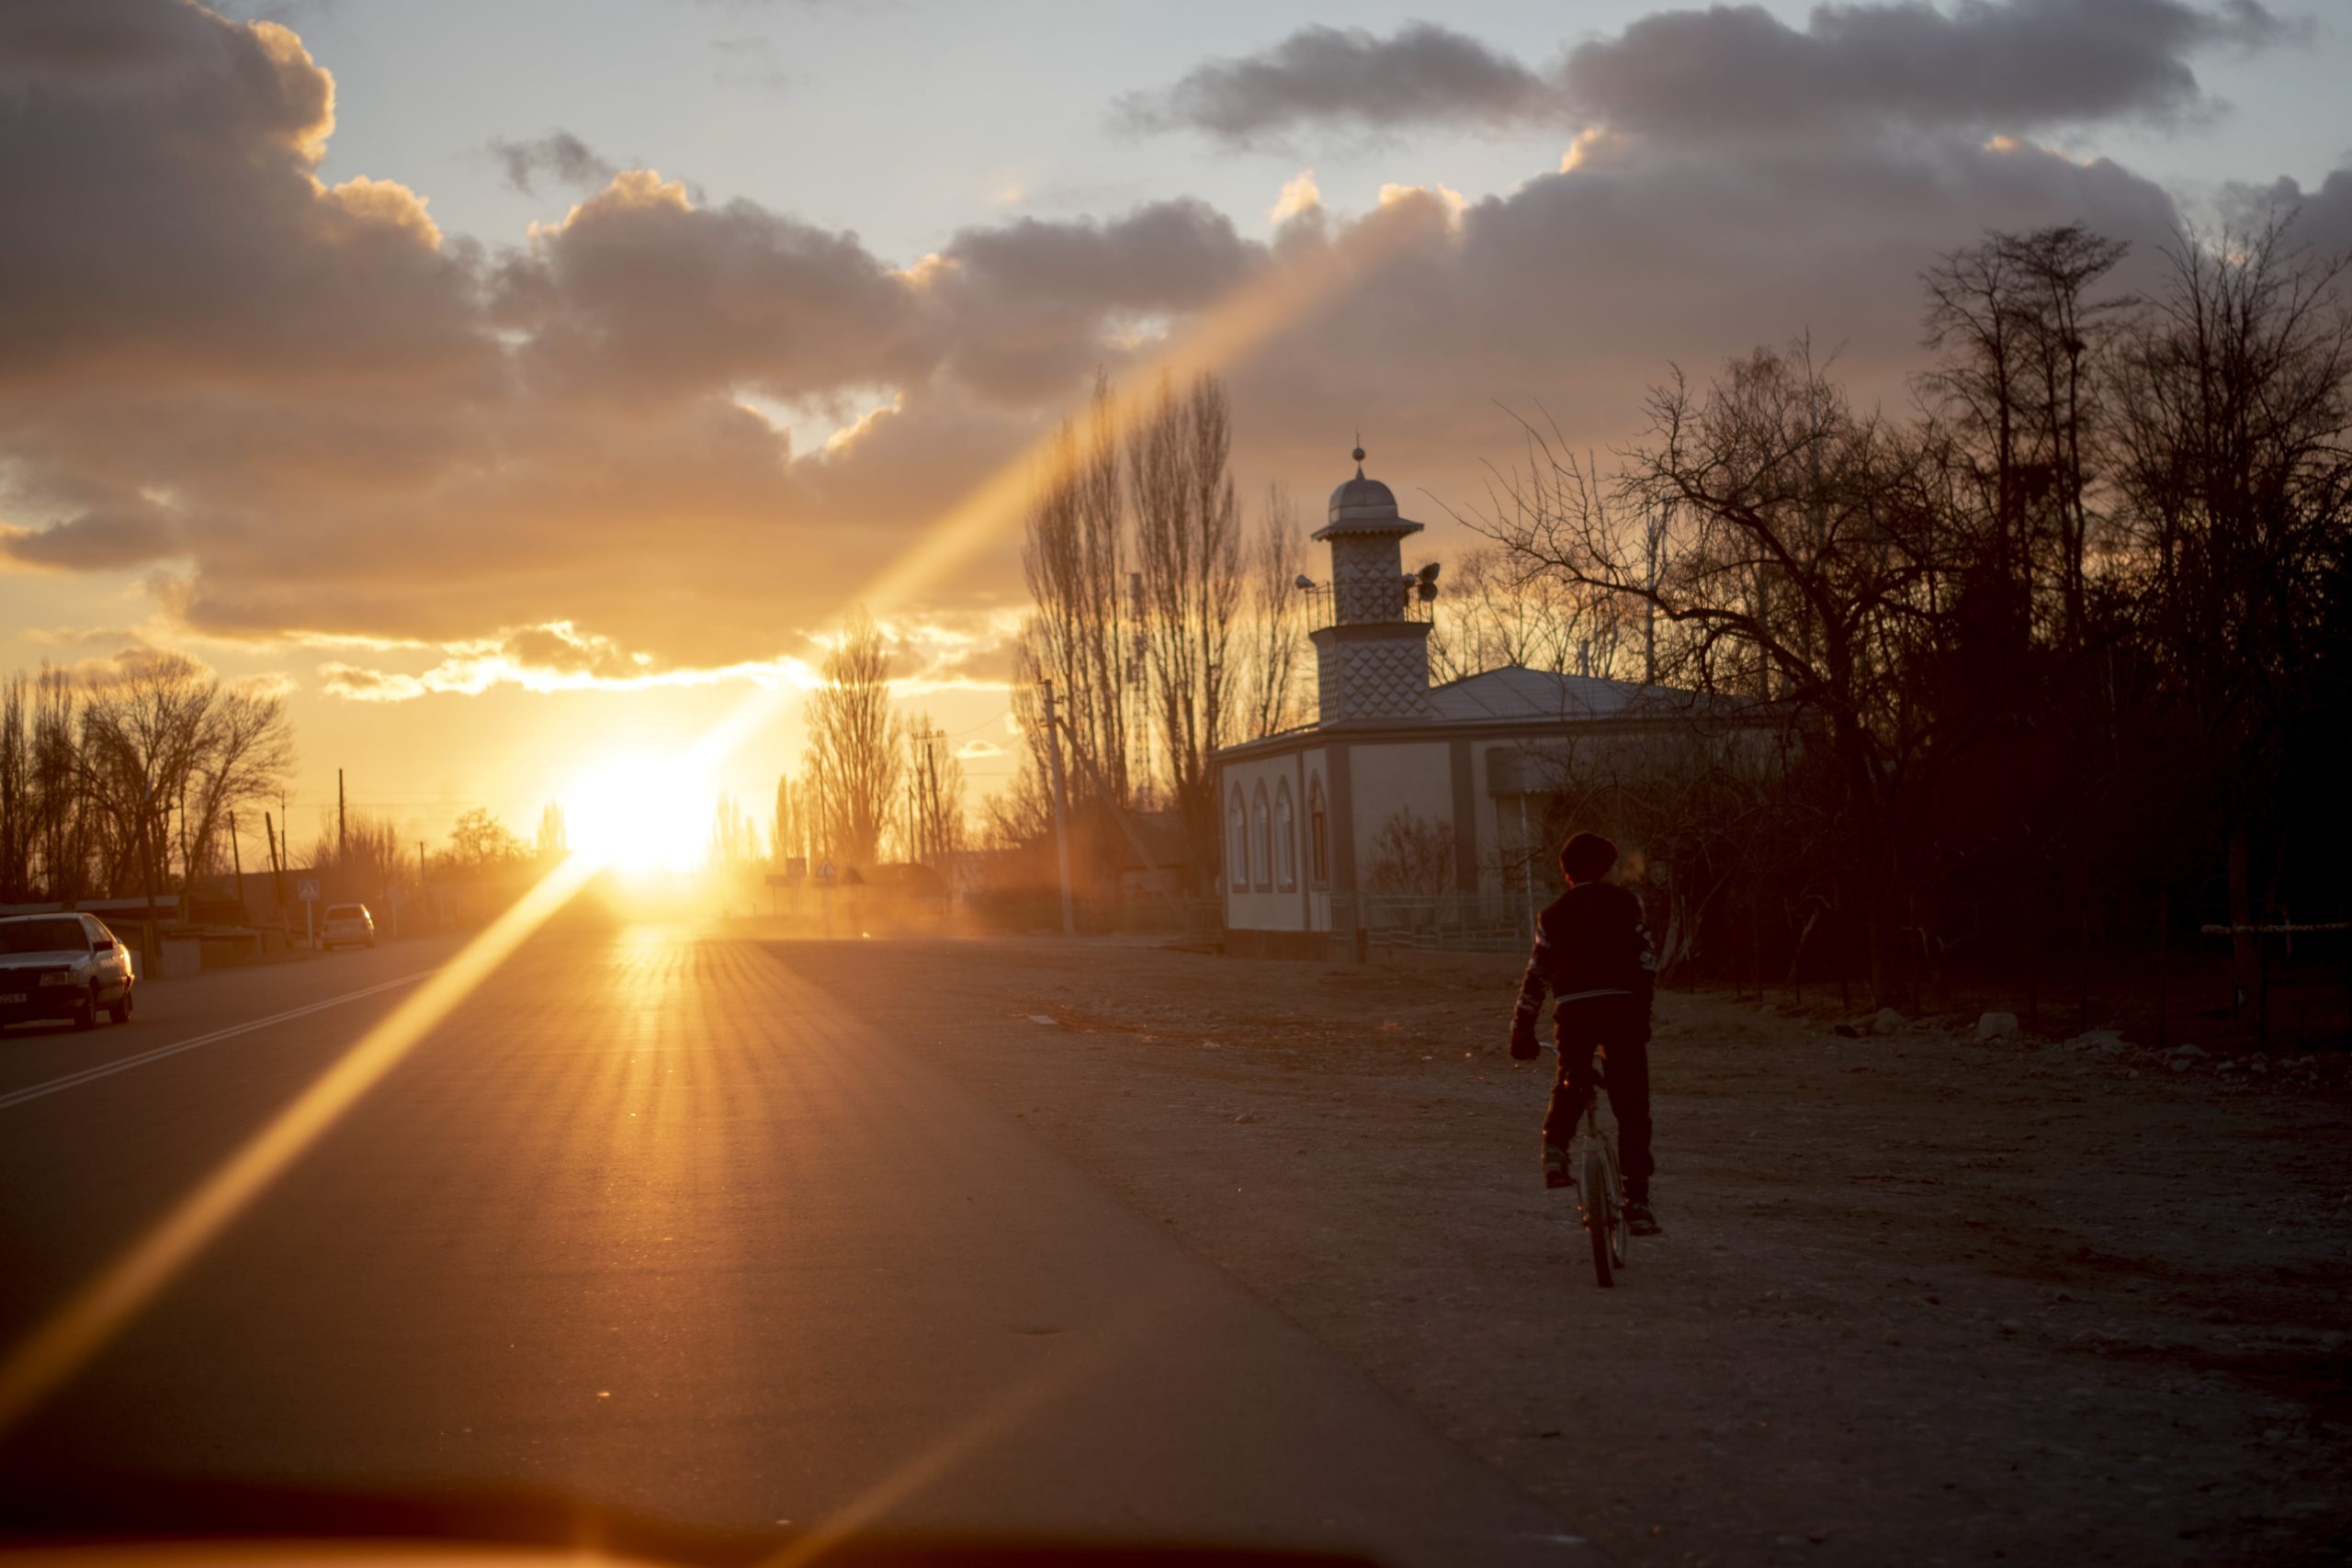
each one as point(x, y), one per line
point(1600, 1189)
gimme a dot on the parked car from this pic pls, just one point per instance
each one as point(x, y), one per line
point(347, 923)
point(62, 966)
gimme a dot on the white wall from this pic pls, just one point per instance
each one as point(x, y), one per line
point(1385, 779)
point(1262, 901)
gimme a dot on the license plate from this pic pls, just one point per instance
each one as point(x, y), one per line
point(13, 997)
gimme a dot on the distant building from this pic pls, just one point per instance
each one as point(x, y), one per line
point(1401, 790)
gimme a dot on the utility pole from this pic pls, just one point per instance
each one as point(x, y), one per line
point(342, 847)
point(1061, 809)
point(276, 863)
point(237, 862)
point(150, 939)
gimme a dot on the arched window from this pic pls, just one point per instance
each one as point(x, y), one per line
point(1318, 833)
point(1237, 847)
point(1285, 839)
point(1261, 844)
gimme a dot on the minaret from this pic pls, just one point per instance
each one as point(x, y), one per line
point(1370, 662)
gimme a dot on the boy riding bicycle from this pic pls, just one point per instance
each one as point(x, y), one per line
point(1593, 952)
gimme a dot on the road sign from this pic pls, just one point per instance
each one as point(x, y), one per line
point(796, 868)
point(825, 871)
point(306, 890)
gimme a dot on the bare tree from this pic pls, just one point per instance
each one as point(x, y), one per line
point(1501, 609)
point(161, 734)
point(480, 842)
point(854, 761)
point(365, 859)
point(2022, 340)
point(1188, 544)
point(2233, 414)
point(247, 749)
point(1019, 816)
point(935, 794)
point(734, 836)
point(16, 796)
point(1073, 558)
point(1410, 853)
point(1792, 576)
point(789, 829)
point(1275, 622)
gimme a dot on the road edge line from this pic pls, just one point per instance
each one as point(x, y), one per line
point(107, 1069)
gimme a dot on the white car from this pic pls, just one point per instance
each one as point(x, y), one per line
point(62, 966)
point(347, 923)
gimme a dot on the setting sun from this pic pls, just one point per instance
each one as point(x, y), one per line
point(639, 814)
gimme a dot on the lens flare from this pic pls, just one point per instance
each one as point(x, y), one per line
point(614, 821)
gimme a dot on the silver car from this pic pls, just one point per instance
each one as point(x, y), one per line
point(62, 966)
point(347, 923)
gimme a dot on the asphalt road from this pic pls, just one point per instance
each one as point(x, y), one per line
point(651, 1222)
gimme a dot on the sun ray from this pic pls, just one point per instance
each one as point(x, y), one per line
point(65, 1341)
point(70, 1337)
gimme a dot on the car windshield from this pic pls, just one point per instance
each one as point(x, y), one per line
point(43, 936)
point(347, 911)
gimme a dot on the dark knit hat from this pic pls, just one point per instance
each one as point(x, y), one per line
point(1587, 857)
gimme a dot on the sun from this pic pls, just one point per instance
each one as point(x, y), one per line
point(639, 814)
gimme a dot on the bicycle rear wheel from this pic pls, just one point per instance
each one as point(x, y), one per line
point(1600, 1214)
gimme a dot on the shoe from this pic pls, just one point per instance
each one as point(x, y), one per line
point(1556, 1166)
point(1638, 1217)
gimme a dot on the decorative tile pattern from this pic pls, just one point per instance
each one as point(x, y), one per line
point(1366, 580)
point(1380, 678)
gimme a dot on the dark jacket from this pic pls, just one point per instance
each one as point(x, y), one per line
point(1591, 946)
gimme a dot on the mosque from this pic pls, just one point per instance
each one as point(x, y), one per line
point(1314, 817)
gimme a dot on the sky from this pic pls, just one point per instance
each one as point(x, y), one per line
point(519, 383)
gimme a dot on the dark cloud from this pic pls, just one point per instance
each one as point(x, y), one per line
point(1348, 79)
point(2018, 66)
point(171, 161)
point(1024, 306)
point(2013, 65)
point(559, 155)
point(640, 293)
point(94, 541)
point(312, 416)
point(2322, 218)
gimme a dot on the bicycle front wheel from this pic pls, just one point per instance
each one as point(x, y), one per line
point(1600, 1215)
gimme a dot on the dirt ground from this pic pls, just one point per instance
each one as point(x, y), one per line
point(1919, 1298)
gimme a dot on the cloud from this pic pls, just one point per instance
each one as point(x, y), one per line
point(163, 133)
point(559, 155)
point(94, 541)
point(554, 657)
point(640, 295)
point(1300, 195)
point(567, 462)
point(1026, 307)
point(1731, 70)
point(136, 661)
point(2016, 65)
point(357, 684)
point(1346, 79)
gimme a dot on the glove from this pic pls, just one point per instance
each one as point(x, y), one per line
point(1522, 1046)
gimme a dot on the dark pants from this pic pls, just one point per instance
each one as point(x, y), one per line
point(1607, 1025)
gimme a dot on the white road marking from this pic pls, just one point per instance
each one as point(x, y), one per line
point(105, 1069)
